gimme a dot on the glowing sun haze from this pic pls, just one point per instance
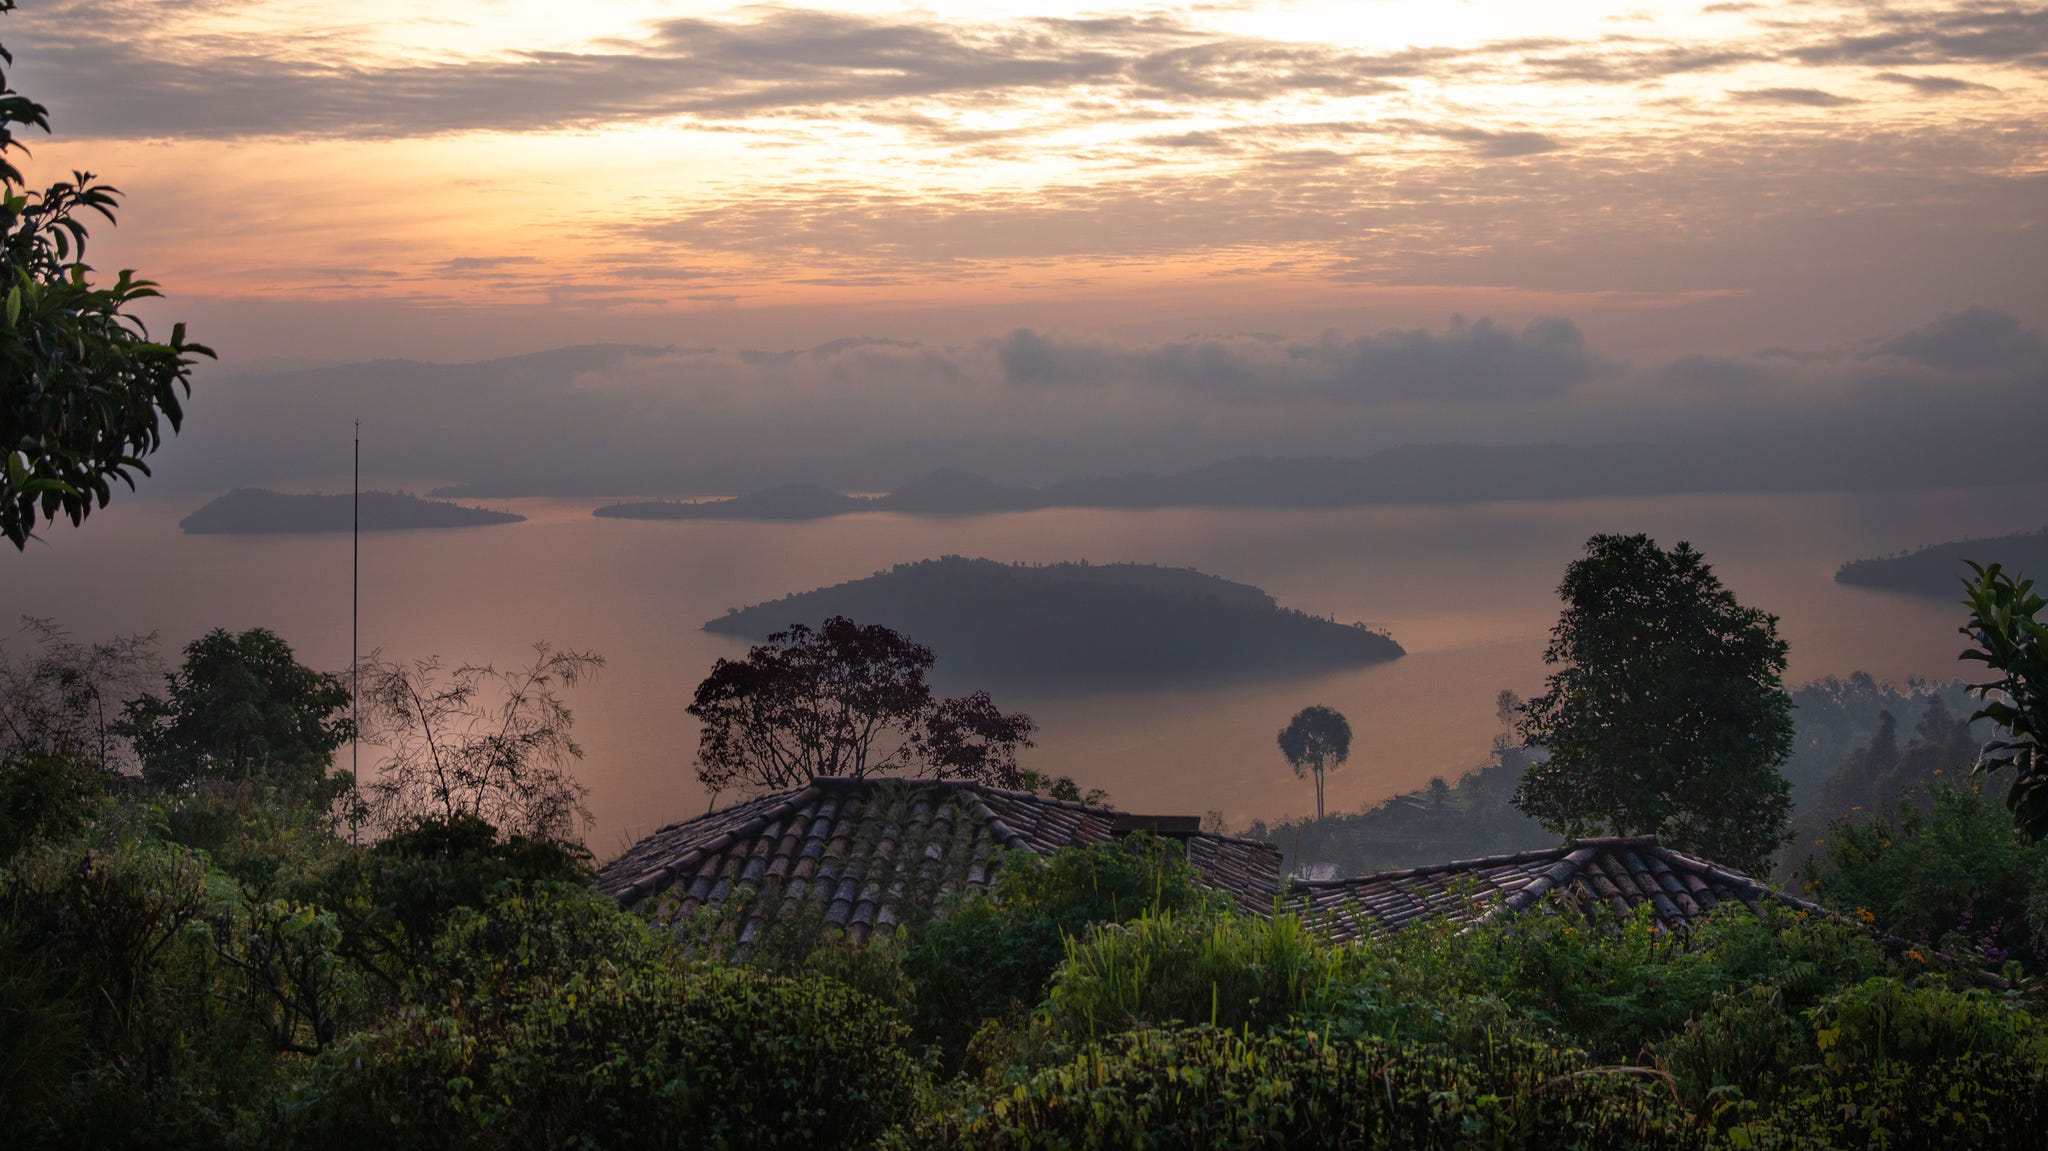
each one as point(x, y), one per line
point(336, 179)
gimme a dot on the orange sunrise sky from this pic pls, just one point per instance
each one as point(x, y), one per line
point(325, 180)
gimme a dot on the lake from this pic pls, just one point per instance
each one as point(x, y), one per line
point(1470, 591)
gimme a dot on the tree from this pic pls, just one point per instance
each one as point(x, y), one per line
point(241, 708)
point(2011, 639)
point(1316, 740)
point(84, 391)
point(1668, 713)
point(485, 743)
point(845, 699)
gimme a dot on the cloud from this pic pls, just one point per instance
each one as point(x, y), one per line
point(1469, 363)
point(1811, 97)
point(1712, 375)
point(1031, 360)
point(1934, 85)
point(1976, 339)
point(1977, 32)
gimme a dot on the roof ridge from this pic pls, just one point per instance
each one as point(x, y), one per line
point(1559, 852)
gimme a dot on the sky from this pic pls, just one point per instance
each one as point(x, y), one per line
point(1287, 207)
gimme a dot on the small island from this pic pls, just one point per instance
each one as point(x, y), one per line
point(1077, 622)
point(1940, 569)
point(260, 511)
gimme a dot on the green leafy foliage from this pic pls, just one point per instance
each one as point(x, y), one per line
point(1667, 714)
point(552, 1019)
point(988, 956)
point(1211, 1087)
point(84, 390)
point(2011, 640)
point(1957, 877)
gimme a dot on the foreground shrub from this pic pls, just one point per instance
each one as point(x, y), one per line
point(986, 956)
point(1207, 1087)
point(1164, 970)
point(554, 1020)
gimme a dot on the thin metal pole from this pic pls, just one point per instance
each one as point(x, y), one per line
point(355, 661)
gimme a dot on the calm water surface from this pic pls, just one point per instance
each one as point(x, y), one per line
point(1469, 591)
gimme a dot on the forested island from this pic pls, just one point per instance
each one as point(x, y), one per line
point(260, 511)
point(1939, 569)
point(783, 502)
point(1077, 621)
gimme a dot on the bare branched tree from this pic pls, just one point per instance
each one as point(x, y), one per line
point(62, 696)
point(477, 741)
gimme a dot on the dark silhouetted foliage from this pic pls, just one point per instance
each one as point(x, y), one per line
point(1667, 713)
point(845, 699)
point(241, 709)
point(1316, 741)
point(84, 391)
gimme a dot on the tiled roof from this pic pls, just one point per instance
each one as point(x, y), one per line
point(864, 850)
point(868, 852)
point(1618, 873)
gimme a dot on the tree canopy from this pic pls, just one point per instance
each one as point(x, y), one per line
point(240, 708)
point(84, 390)
point(1667, 713)
point(845, 699)
point(1315, 741)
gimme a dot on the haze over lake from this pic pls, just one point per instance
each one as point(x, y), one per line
point(1469, 591)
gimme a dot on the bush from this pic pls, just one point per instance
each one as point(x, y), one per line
point(988, 956)
point(47, 796)
point(1207, 1087)
point(554, 1020)
point(1164, 970)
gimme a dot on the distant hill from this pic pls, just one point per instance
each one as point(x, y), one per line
point(1077, 621)
point(951, 491)
point(260, 511)
point(786, 502)
point(1938, 570)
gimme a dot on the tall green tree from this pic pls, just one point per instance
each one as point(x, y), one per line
point(84, 390)
point(1316, 741)
point(2012, 640)
point(240, 708)
point(1667, 713)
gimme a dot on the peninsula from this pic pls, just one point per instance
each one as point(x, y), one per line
point(1940, 569)
point(1077, 622)
point(260, 511)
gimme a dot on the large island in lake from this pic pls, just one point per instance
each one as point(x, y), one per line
point(1077, 622)
point(260, 511)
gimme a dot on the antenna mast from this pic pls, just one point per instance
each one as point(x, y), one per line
point(355, 662)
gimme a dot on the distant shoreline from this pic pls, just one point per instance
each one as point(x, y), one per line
point(260, 511)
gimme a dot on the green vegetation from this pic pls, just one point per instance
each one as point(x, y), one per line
point(259, 511)
point(1316, 741)
point(2010, 638)
point(201, 958)
point(1667, 713)
point(84, 391)
point(1077, 622)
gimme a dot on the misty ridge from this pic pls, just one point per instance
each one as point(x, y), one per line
point(1474, 411)
point(1077, 622)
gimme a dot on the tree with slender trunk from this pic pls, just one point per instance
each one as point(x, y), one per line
point(1317, 740)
